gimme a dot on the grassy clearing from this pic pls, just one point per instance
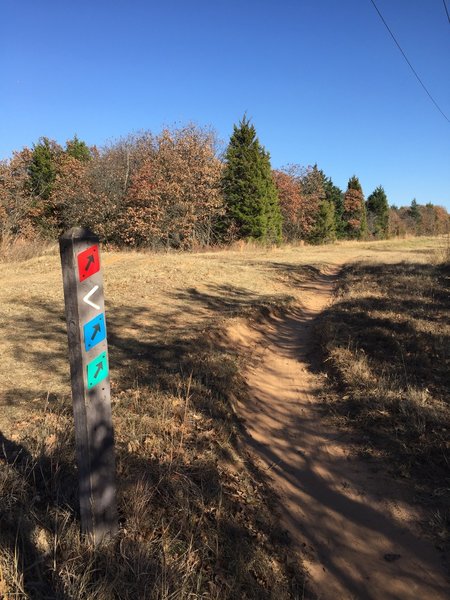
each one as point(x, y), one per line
point(197, 521)
point(386, 341)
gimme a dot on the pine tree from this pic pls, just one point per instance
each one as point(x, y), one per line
point(414, 210)
point(250, 194)
point(43, 167)
point(416, 216)
point(378, 209)
point(354, 214)
point(324, 231)
point(334, 195)
point(78, 149)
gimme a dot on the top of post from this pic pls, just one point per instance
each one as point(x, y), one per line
point(78, 234)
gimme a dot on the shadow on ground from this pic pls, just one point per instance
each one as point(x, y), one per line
point(194, 513)
point(386, 345)
point(193, 509)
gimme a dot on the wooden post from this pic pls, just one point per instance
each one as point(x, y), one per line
point(89, 370)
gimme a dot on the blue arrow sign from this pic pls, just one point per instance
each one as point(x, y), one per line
point(94, 332)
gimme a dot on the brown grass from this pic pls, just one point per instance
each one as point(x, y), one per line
point(17, 249)
point(386, 343)
point(196, 518)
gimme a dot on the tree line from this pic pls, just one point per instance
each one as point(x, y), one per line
point(175, 190)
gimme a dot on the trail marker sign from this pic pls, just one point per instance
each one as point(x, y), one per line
point(94, 332)
point(89, 370)
point(90, 293)
point(97, 370)
point(88, 262)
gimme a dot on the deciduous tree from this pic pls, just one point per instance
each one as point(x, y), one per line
point(301, 192)
point(290, 199)
point(18, 208)
point(174, 198)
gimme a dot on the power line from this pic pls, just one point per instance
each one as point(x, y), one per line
point(410, 65)
point(446, 10)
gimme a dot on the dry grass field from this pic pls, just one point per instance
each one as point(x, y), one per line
point(386, 344)
point(197, 521)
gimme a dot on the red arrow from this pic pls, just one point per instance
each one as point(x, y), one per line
point(90, 261)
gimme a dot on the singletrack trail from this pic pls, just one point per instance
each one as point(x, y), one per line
point(357, 530)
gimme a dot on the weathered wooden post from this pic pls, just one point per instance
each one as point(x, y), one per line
point(89, 369)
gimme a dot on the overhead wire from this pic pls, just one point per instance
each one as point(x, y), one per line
point(410, 65)
point(446, 10)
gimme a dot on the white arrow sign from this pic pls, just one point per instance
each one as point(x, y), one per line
point(88, 295)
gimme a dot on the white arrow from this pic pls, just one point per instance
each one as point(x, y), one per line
point(88, 295)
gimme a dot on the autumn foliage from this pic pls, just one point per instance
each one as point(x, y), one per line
point(304, 204)
point(173, 190)
point(173, 199)
point(355, 210)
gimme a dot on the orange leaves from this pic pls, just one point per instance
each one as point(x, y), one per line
point(174, 196)
point(355, 213)
point(289, 195)
point(301, 192)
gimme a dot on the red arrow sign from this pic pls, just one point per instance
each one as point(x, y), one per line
point(88, 263)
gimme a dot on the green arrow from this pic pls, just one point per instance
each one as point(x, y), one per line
point(99, 368)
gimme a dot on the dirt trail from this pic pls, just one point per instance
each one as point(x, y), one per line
point(356, 529)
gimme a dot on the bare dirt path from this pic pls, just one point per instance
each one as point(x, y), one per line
point(356, 529)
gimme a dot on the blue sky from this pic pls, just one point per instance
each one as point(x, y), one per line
point(321, 79)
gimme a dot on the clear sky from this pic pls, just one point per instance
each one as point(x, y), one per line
point(321, 79)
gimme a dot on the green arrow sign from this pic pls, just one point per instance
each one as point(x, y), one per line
point(97, 370)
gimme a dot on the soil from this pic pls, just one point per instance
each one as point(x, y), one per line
point(356, 529)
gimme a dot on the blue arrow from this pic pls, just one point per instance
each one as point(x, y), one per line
point(97, 329)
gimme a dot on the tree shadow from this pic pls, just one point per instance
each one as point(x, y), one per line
point(290, 443)
point(161, 358)
point(224, 523)
point(44, 483)
point(407, 342)
point(40, 508)
point(391, 322)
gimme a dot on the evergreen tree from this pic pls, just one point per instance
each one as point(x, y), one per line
point(378, 209)
point(78, 149)
point(354, 184)
point(414, 210)
point(334, 195)
point(354, 215)
point(250, 194)
point(415, 215)
point(43, 167)
point(324, 230)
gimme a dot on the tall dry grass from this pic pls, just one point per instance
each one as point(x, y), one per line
point(197, 519)
point(17, 249)
point(386, 345)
